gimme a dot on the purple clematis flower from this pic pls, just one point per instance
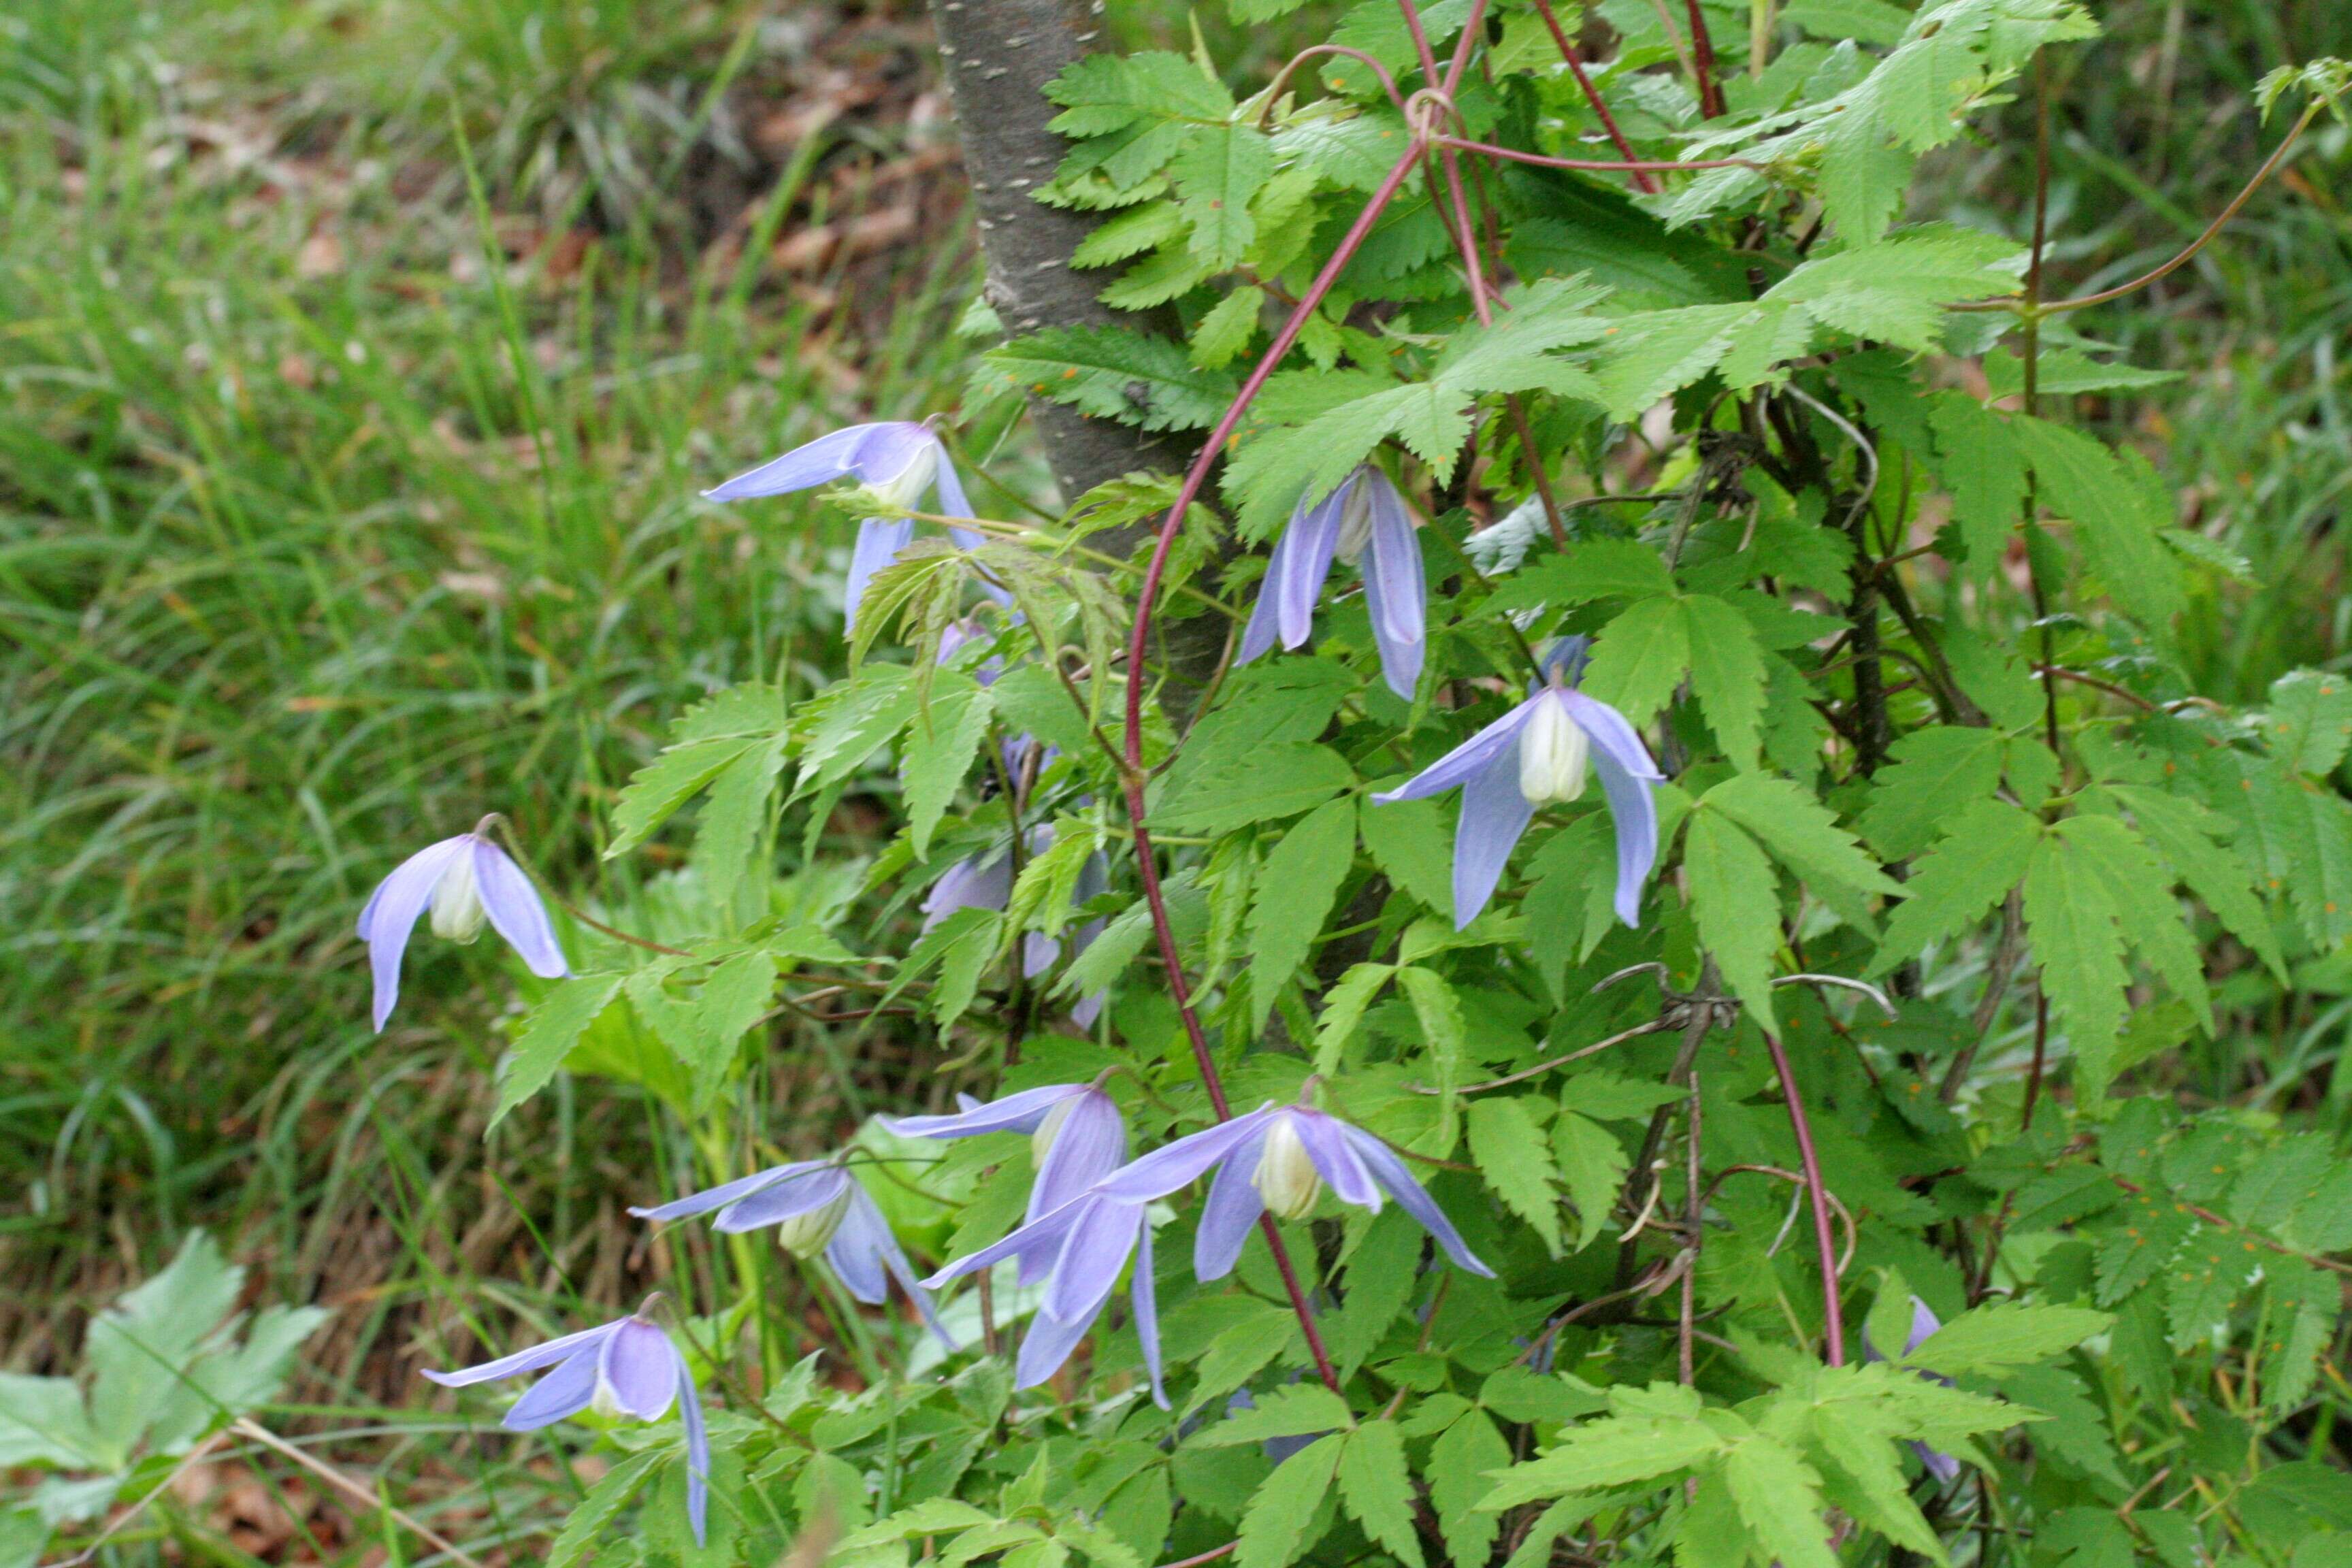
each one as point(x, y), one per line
point(1083, 1245)
point(1535, 753)
point(1075, 1131)
point(462, 880)
point(1365, 511)
point(1924, 1322)
point(1276, 1157)
point(1280, 1158)
point(896, 461)
point(627, 1367)
point(816, 1205)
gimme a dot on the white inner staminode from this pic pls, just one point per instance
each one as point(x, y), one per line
point(1041, 1143)
point(806, 1234)
point(1354, 521)
point(457, 899)
point(1553, 751)
point(899, 491)
point(1286, 1177)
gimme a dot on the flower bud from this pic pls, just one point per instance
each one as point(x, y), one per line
point(805, 1234)
point(1286, 1177)
point(899, 491)
point(457, 899)
point(1553, 751)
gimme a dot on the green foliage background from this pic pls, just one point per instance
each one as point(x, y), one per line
point(267, 625)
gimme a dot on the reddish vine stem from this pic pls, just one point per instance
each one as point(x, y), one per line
point(1710, 91)
point(1643, 179)
point(1832, 1313)
point(1139, 646)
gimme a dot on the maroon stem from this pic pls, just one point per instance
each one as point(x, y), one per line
point(1710, 91)
point(1600, 165)
point(1832, 1314)
point(1642, 178)
point(1139, 644)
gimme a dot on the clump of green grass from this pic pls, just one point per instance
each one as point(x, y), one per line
point(340, 502)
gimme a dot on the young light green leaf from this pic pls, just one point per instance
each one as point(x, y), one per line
point(1612, 1452)
point(1216, 173)
point(1983, 465)
point(726, 840)
point(1228, 327)
point(2115, 509)
point(1297, 1410)
point(1465, 1455)
point(2070, 919)
point(2310, 720)
point(655, 791)
point(1780, 1499)
point(1343, 1009)
point(2002, 1334)
point(938, 751)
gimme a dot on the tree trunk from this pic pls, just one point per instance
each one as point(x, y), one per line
point(999, 56)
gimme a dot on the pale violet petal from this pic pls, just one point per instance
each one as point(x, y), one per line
point(1336, 1160)
point(1172, 1165)
point(1634, 803)
point(521, 1362)
point(639, 1364)
point(391, 914)
point(1014, 1113)
point(1494, 814)
point(1461, 763)
point(566, 1391)
point(720, 1197)
point(698, 1451)
point(1143, 1294)
point(516, 912)
point(1047, 1345)
point(1091, 1259)
point(780, 1201)
point(1388, 1171)
point(1296, 574)
point(1231, 1211)
point(822, 461)
point(864, 1218)
point(1087, 1147)
point(1396, 591)
point(1039, 1238)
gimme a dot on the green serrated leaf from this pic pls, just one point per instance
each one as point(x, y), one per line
point(938, 751)
point(1113, 373)
point(1727, 673)
point(1228, 328)
point(1987, 852)
point(1934, 772)
point(1801, 832)
point(2309, 722)
point(1641, 657)
point(1378, 1489)
point(1218, 171)
point(1512, 1153)
point(2002, 1334)
point(548, 1035)
point(1593, 1164)
point(1295, 890)
point(1274, 1529)
point(1612, 1452)
point(1734, 897)
point(1779, 1497)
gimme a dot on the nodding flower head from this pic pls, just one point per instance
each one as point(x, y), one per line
point(464, 881)
point(816, 1205)
point(893, 464)
point(1537, 753)
point(1364, 522)
point(1076, 1135)
point(627, 1367)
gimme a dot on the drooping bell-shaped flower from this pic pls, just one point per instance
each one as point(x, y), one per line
point(627, 1367)
point(463, 881)
point(1365, 522)
point(1537, 753)
point(1281, 1158)
point(1924, 1323)
point(817, 1206)
point(896, 462)
point(1078, 1250)
point(1076, 1135)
